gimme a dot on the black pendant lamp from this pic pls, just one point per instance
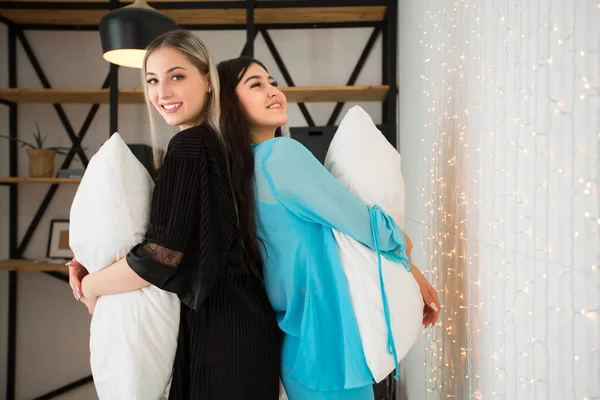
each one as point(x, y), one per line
point(125, 32)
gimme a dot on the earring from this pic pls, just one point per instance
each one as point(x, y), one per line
point(209, 90)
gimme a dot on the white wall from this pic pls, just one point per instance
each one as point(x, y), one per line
point(52, 335)
point(412, 113)
point(499, 133)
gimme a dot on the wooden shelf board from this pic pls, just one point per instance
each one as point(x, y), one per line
point(207, 16)
point(316, 94)
point(124, 2)
point(24, 179)
point(31, 265)
point(70, 96)
point(306, 94)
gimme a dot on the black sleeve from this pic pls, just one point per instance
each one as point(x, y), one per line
point(174, 223)
point(193, 235)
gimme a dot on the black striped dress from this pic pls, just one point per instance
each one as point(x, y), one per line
point(229, 343)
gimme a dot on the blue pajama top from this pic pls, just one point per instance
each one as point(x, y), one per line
point(298, 204)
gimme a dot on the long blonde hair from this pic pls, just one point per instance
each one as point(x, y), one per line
point(199, 55)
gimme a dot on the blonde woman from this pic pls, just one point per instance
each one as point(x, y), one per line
point(229, 341)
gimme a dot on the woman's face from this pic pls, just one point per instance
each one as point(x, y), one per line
point(264, 104)
point(176, 88)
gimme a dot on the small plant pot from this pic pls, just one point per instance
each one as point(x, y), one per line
point(41, 163)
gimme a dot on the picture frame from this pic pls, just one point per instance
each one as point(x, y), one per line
point(58, 240)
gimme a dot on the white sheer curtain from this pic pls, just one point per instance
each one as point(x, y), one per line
point(511, 219)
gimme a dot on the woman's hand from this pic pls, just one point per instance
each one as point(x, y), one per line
point(76, 274)
point(431, 310)
point(88, 298)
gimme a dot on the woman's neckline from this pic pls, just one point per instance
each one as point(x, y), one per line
point(203, 125)
point(264, 141)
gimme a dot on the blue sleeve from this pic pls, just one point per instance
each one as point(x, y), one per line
point(305, 187)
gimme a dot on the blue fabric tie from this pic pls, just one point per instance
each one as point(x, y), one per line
point(386, 306)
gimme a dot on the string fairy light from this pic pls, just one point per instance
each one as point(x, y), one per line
point(571, 114)
point(547, 128)
point(512, 198)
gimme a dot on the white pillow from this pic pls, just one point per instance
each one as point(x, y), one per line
point(133, 335)
point(369, 166)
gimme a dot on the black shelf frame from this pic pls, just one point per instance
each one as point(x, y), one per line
point(386, 28)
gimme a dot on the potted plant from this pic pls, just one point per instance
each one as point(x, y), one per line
point(41, 159)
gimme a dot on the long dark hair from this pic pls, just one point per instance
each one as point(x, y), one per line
point(236, 135)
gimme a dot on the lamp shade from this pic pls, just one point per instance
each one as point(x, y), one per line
point(125, 33)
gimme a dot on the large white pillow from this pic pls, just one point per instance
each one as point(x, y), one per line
point(133, 335)
point(364, 161)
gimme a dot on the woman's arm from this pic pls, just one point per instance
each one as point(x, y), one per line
point(431, 311)
point(307, 189)
point(116, 278)
point(173, 218)
point(188, 242)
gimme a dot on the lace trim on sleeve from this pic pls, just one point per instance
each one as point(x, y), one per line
point(163, 255)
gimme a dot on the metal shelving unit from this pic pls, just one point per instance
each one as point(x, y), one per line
point(255, 17)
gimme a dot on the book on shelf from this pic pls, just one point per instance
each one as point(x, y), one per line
point(70, 173)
